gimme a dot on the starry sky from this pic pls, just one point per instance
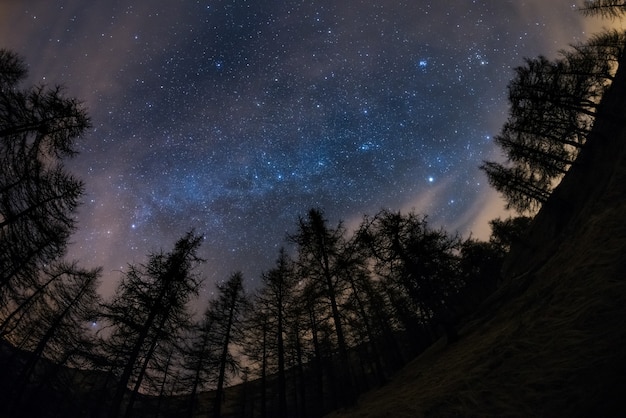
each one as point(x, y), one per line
point(234, 117)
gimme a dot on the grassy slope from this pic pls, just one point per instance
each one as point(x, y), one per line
point(552, 342)
point(556, 350)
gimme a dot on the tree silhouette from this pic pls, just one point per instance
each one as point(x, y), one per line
point(417, 266)
point(604, 8)
point(38, 197)
point(553, 106)
point(54, 331)
point(523, 190)
point(361, 310)
point(147, 314)
point(508, 232)
point(480, 265)
point(228, 310)
point(314, 313)
point(12, 69)
point(321, 261)
point(200, 358)
point(272, 310)
point(294, 343)
point(16, 311)
point(259, 351)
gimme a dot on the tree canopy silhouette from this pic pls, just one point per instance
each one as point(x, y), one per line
point(39, 127)
point(147, 315)
point(553, 106)
point(604, 8)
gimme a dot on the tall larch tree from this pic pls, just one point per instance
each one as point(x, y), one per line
point(321, 261)
point(148, 313)
point(598, 160)
point(417, 266)
point(228, 312)
point(275, 300)
point(200, 358)
point(553, 108)
point(39, 128)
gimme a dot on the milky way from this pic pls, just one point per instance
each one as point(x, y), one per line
point(234, 117)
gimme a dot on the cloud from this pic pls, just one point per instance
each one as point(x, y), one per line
point(476, 220)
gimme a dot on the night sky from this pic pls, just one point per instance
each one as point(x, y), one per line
point(235, 117)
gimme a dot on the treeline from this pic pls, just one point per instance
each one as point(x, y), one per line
point(343, 313)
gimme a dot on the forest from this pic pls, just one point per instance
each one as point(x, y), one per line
point(338, 314)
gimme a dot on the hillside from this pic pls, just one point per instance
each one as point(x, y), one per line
point(551, 341)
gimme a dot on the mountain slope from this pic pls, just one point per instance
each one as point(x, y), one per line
point(556, 350)
point(551, 341)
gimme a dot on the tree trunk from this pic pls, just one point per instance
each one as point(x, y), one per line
point(219, 392)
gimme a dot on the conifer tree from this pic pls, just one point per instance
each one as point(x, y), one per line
point(553, 108)
point(605, 8)
point(147, 314)
point(54, 333)
point(39, 127)
point(200, 358)
point(321, 261)
point(274, 305)
point(228, 312)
